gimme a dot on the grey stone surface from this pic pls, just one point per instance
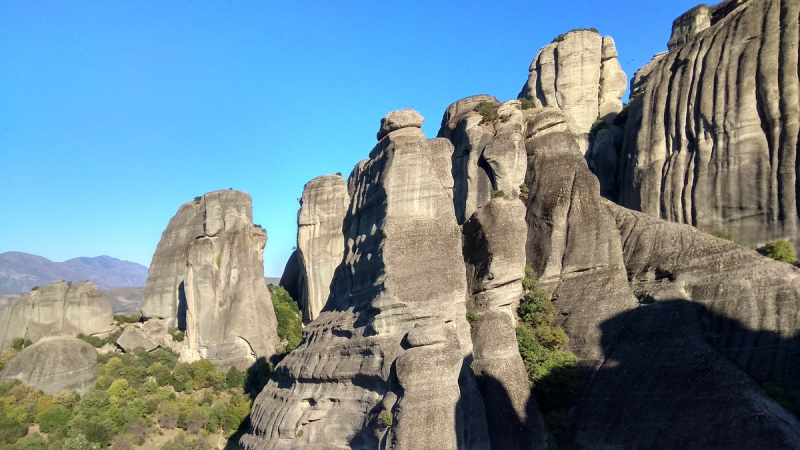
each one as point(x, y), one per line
point(230, 319)
point(133, 339)
point(712, 134)
point(494, 251)
point(393, 336)
point(57, 309)
point(320, 242)
point(487, 157)
point(54, 364)
point(395, 120)
point(579, 75)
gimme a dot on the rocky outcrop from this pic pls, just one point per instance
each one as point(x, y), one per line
point(207, 278)
point(386, 363)
point(320, 242)
point(133, 339)
point(712, 134)
point(57, 309)
point(164, 293)
point(55, 364)
point(578, 73)
point(572, 242)
point(488, 157)
point(494, 250)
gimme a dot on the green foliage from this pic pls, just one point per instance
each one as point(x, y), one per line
point(527, 104)
point(290, 321)
point(385, 419)
point(598, 125)
point(54, 419)
point(97, 342)
point(488, 110)
point(498, 194)
point(198, 198)
point(19, 343)
point(472, 317)
point(257, 225)
point(235, 378)
point(524, 192)
point(726, 233)
point(128, 318)
point(563, 36)
point(552, 371)
point(780, 250)
point(31, 442)
point(176, 334)
point(78, 442)
point(218, 259)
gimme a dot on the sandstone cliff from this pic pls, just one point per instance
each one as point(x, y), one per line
point(207, 277)
point(712, 134)
point(320, 242)
point(386, 363)
point(57, 309)
point(578, 73)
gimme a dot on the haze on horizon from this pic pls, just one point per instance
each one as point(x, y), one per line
point(114, 114)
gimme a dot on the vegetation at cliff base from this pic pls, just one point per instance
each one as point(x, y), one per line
point(552, 371)
point(290, 320)
point(144, 399)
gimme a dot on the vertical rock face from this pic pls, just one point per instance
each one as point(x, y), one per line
point(572, 243)
point(712, 134)
point(392, 344)
point(164, 290)
point(488, 157)
point(320, 242)
point(58, 309)
point(54, 364)
point(207, 278)
point(580, 75)
point(494, 250)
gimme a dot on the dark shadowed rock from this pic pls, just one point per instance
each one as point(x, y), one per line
point(58, 309)
point(392, 340)
point(494, 250)
point(55, 364)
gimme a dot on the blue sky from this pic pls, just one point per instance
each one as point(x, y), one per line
point(113, 114)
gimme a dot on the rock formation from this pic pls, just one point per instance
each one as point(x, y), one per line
point(386, 363)
point(320, 242)
point(134, 339)
point(207, 277)
point(54, 364)
point(480, 169)
point(578, 73)
point(494, 250)
point(711, 138)
point(57, 309)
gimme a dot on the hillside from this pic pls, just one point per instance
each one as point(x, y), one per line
point(20, 272)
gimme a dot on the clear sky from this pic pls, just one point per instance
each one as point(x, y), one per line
point(114, 113)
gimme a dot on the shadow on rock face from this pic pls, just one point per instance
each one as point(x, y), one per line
point(675, 376)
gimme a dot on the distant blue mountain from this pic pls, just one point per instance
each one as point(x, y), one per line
point(20, 272)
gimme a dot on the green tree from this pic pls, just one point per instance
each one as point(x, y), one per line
point(290, 321)
point(781, 250)
point(54, 419)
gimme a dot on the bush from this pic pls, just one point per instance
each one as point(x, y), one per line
point(498, 194)
point(128, 318)
point(290, 321)
point(524, 192)
point(780, 250)
point(177, 334)
point(598, 125)
point(19, 343)
point(385, 419)
point(561, 37)
point(31, 442)
point(54, 419)
point(527, 104)
point(488, 110)
point(472, 317)
point(198, 198)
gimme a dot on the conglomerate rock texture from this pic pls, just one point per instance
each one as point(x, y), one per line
point(712, 134)
point(392, 343)
point(57, 309)
point(207, 278)
point(54, 364)
point(320, 242)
